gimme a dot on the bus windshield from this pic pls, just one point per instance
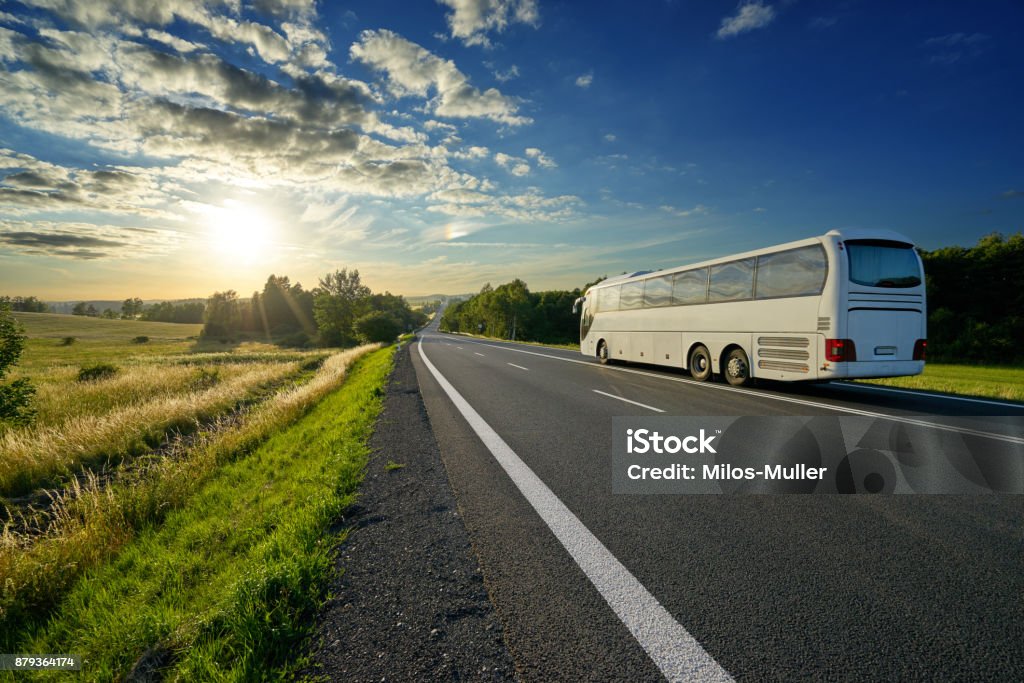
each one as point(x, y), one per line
point(882, 263)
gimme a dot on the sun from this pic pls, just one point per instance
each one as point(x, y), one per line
point(239, 229)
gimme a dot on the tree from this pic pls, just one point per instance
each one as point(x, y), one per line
point(15, 397)
point(25, 304)
point(79, 309)
point(131, 308)
point(338, 301)
point(222, 315)
point(377, 326)
point(109, 314)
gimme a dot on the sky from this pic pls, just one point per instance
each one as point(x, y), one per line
point(176, 148)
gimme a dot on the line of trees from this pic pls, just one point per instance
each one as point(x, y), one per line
point(975, 304)
point(24, 304)
point(512, 311)
point(341, 311)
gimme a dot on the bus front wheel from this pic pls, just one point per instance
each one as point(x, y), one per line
point(602, 354)
point(700, 364)
point(737, 368)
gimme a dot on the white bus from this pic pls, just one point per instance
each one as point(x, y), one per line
point(846, 304)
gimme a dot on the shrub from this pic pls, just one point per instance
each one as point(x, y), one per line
point(298, 340)
point(206, 378)
point(141, 339)
point(15, 397)
point(94, 373)
point(68, 341)
point(377, 326)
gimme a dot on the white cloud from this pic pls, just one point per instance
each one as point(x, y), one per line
point(610, 137)
point(473, 152)
point(506, 75)
point(179, 44)
point(749, 16)
point(540, 157)
point(585, 80)
point(698, 210)
point(471, 20)
point(515, 165)
point(413, 70)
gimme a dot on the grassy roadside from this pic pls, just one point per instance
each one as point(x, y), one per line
point(983, 381)
point(571, 347)
point(224, 588)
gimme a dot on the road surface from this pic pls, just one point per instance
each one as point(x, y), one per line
point(595, 586)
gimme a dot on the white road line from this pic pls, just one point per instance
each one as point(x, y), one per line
point(636, 403)
point(785, 399)
point(674, 651)
point(518, 366)
point(875, 387)
point(479, 354)
point(459, 348)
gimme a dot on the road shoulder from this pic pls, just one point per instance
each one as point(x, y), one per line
point(408, 600)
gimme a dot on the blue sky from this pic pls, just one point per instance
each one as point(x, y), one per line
point(177, 148)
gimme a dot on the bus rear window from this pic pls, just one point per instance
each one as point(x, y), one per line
point(881, 263)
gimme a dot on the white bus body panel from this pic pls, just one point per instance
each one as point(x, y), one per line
point(784, 338)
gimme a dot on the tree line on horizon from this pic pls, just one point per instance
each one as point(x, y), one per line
point(975, 305)
point(340, 311)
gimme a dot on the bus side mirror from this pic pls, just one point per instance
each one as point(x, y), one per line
point(576, 304)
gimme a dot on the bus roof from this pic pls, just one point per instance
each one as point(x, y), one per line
point(844, 234)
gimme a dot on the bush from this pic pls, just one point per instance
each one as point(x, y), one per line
point(141, 339)
point(94, 373)
point(15, 397)
point(377, 327)
point(297, 340)
point(206, 379)
point(68, 341)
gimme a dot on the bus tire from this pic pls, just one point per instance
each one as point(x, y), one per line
point(602, 353)
point(737, 368)
point(700, 364)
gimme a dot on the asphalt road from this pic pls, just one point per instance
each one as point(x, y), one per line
point(765, 587)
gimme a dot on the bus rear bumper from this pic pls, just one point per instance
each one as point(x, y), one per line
point(872, 369)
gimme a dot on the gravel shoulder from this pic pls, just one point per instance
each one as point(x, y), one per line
point(408, 600)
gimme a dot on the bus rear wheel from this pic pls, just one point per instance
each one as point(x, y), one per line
point(737, 368)
point(700, 364)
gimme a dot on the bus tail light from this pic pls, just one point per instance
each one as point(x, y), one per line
point(920, 349)
point(840, 350)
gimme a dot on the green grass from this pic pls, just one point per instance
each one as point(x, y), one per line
point(985, 381)
point(226, 587)
point(171, 383)
point(571, 347)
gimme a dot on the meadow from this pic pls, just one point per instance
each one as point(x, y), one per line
point(216, 453)
point(984, 381)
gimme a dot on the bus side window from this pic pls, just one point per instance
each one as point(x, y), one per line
point(732, 281)
point(690, 287)
point(609, 299)
point(795, 272)
point(632, 295)
point(658, 291)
